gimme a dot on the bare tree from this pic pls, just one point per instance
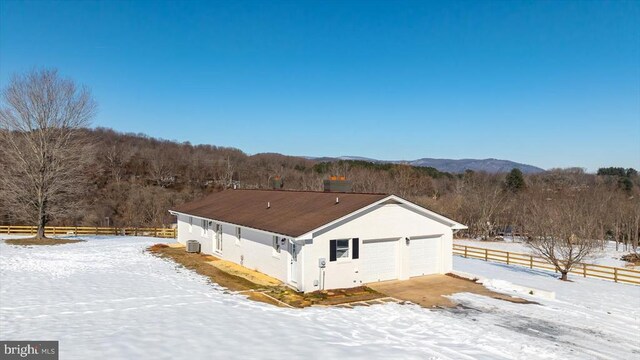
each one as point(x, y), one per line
point(484, 200)
point(562, 229)
point(115, 156)
point(228, 171)
point(41, 146)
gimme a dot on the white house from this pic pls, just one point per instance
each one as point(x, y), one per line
point(320, 240)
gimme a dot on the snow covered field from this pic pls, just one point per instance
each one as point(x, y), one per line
point(106, 298)
point(608, 256)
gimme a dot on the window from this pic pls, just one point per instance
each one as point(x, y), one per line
point(219, 238)
point(338, 249)
point(276, 245)
point(342, 249)
point(205, 227)
point(238, 235)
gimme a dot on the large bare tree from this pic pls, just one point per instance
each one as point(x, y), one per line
point(42, 148)
point(562, 228)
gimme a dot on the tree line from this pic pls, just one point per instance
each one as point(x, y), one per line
point(132, 180)
point(56, 170)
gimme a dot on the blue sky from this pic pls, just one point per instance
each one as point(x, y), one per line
point(549, 83)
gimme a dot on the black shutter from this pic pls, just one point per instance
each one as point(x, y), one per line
point(332, 250)
point(356, 248)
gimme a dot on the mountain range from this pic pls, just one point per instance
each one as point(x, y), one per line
point(450, 165)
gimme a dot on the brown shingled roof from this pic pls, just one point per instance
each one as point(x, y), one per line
point(292, 213)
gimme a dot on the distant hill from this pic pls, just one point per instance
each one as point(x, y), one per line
point(488, 165)
point(451, 165)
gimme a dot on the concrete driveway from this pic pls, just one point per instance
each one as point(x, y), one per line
point(430, 290)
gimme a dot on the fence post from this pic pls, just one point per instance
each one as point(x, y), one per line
point(615, 274)
point(507, 258)
point(54, 231)
point(584, 270)
point(486, 255)
point(465, 251)
point(531, 261)
point(155, 232)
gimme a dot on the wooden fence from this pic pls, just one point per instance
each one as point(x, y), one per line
point(611, 273)
point(90, 230)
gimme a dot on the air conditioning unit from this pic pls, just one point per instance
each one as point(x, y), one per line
point(193, 246)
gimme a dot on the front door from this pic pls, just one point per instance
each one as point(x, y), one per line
point(293, 266)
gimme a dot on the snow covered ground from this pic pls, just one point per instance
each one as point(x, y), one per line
point(107, 298)
point(608, 256)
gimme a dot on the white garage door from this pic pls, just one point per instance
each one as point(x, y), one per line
point(423, 256)
point(379, 260)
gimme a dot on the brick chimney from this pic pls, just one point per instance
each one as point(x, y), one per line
point(276, 183)
point(337, 184)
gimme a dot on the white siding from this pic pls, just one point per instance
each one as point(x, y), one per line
point(389, 221)
point(383, 222)
point(254, 250)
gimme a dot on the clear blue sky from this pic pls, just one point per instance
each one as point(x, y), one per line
point(549, 83)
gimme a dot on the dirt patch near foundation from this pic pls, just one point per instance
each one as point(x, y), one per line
point(325, 297)
point(255, 285)
point(199, 264)
point(239, 270)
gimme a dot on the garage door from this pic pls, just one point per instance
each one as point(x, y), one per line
point(423, 256)
point(379, 260)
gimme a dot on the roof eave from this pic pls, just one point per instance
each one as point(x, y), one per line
point(176, 213)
